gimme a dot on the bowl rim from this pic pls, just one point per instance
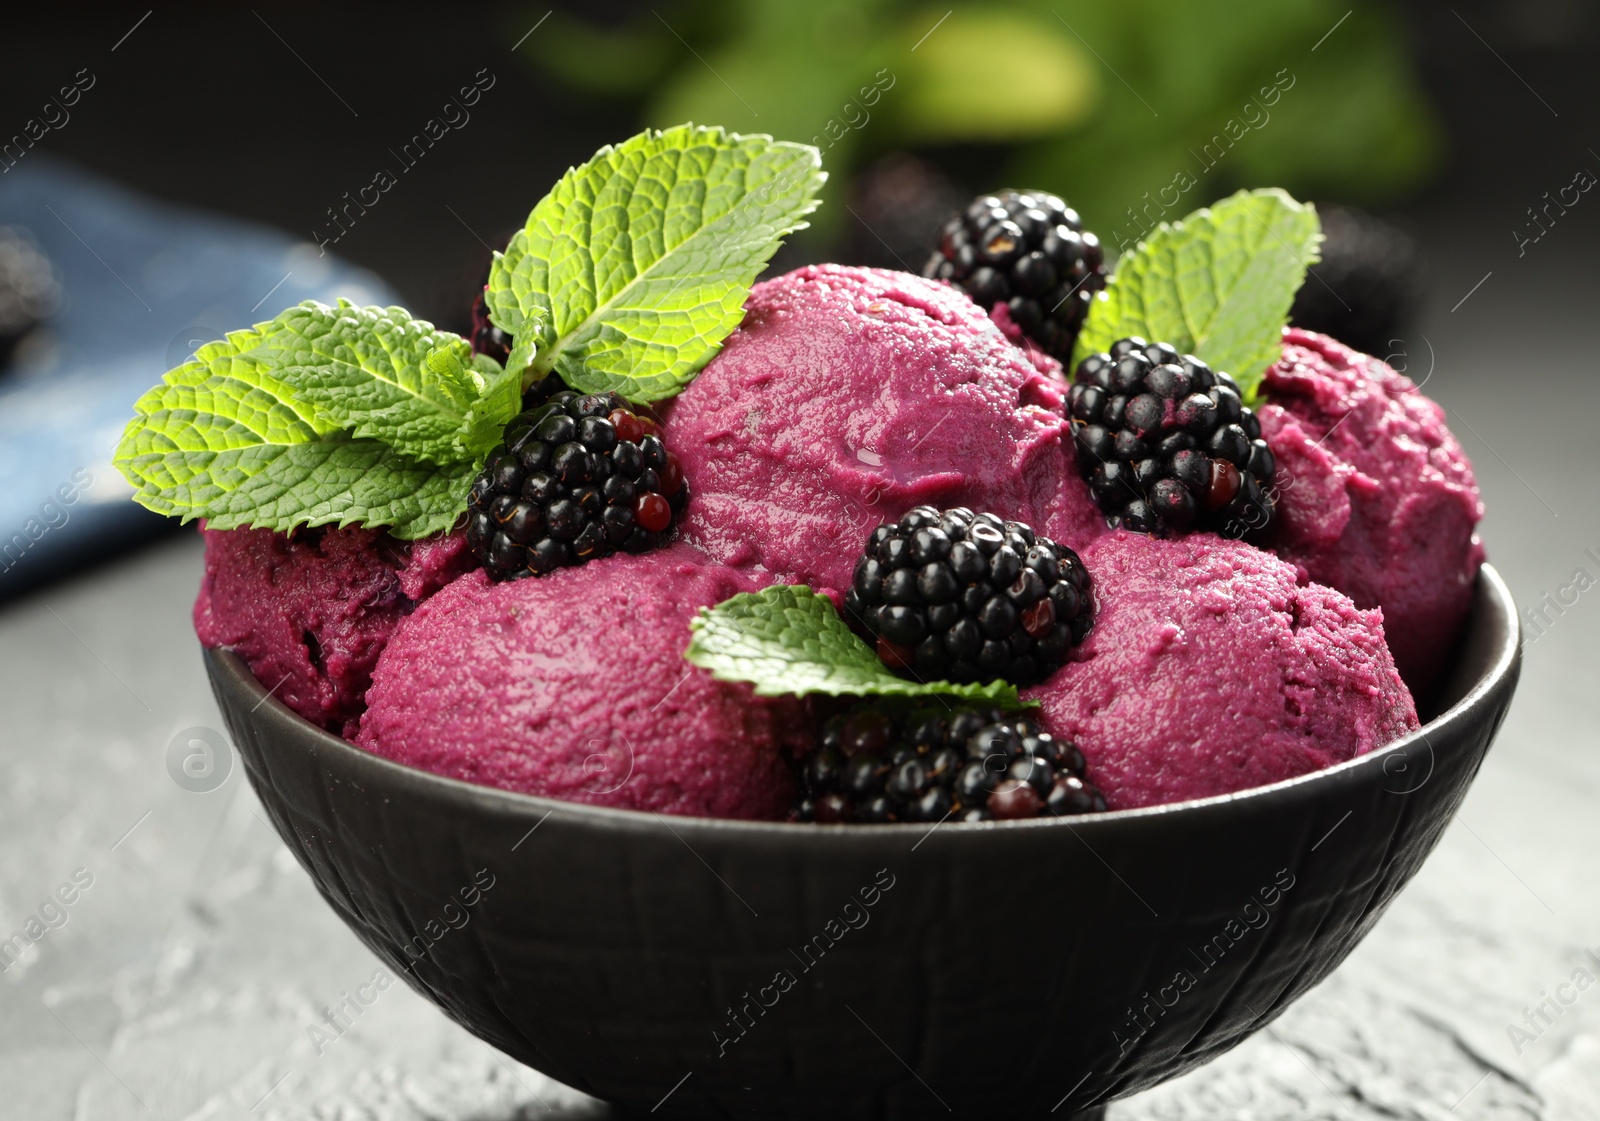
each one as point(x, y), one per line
point(1490, 591)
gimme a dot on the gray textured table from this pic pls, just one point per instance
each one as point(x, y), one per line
point(181, 982)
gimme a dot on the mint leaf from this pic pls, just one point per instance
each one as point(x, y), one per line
point(377, 372)
point(787, 639)
point(490, 413)
point(635, 267)
point(224, 438)
point(1217, 284)
point(341, 480)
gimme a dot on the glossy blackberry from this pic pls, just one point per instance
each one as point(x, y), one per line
point(1368, 285)
point(1167, 444)
point(960, 596)
point(888, 761)
point(486, 337)
point(578, 477)
point(1029, 251)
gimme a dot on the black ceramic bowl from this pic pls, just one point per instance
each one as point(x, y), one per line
point(708, 968)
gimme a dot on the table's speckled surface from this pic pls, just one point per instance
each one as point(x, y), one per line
point(183, 980)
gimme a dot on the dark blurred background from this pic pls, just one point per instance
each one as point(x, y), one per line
point(273, 113)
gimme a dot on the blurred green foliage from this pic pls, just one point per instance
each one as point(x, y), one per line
point(1134, 111)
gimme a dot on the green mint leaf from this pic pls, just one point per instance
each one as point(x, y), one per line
point(500, 401)
point(635, 267)
point(226, 439)
point(1216, 284)
point(341, 480)
point(787, 639)
point(378, 373)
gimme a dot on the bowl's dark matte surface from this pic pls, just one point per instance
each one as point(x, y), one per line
point(717, 968)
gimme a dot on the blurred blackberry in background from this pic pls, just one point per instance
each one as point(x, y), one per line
point(1029, 251)
point(486, 338)
point(1167, 444)
point(544, 389)
point(29, 291)
point(896, 208)
point(451, 300)
point(885, 761)
point(1366, 289)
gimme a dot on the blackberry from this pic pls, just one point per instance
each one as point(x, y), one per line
point(29, 291)
point(1367, 286)
point(1167, 444)
point(578, 477)
point(1029, 251)
point(486, 337)
point(965, 597)
point(885, 761)
point(898, 204)
point(541, 391)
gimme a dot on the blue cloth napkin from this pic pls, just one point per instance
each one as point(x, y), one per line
point(143, 284)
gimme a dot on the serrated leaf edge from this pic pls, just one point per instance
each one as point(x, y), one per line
point(1150, 244)
point(545, 359)
point(478, 430)
point(536, 356)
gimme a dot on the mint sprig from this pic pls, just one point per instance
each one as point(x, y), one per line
point(226, 437)
point(787, 639)
point(377, 372)
point(633, 269)
point(627, 277)
point(1218, 284)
